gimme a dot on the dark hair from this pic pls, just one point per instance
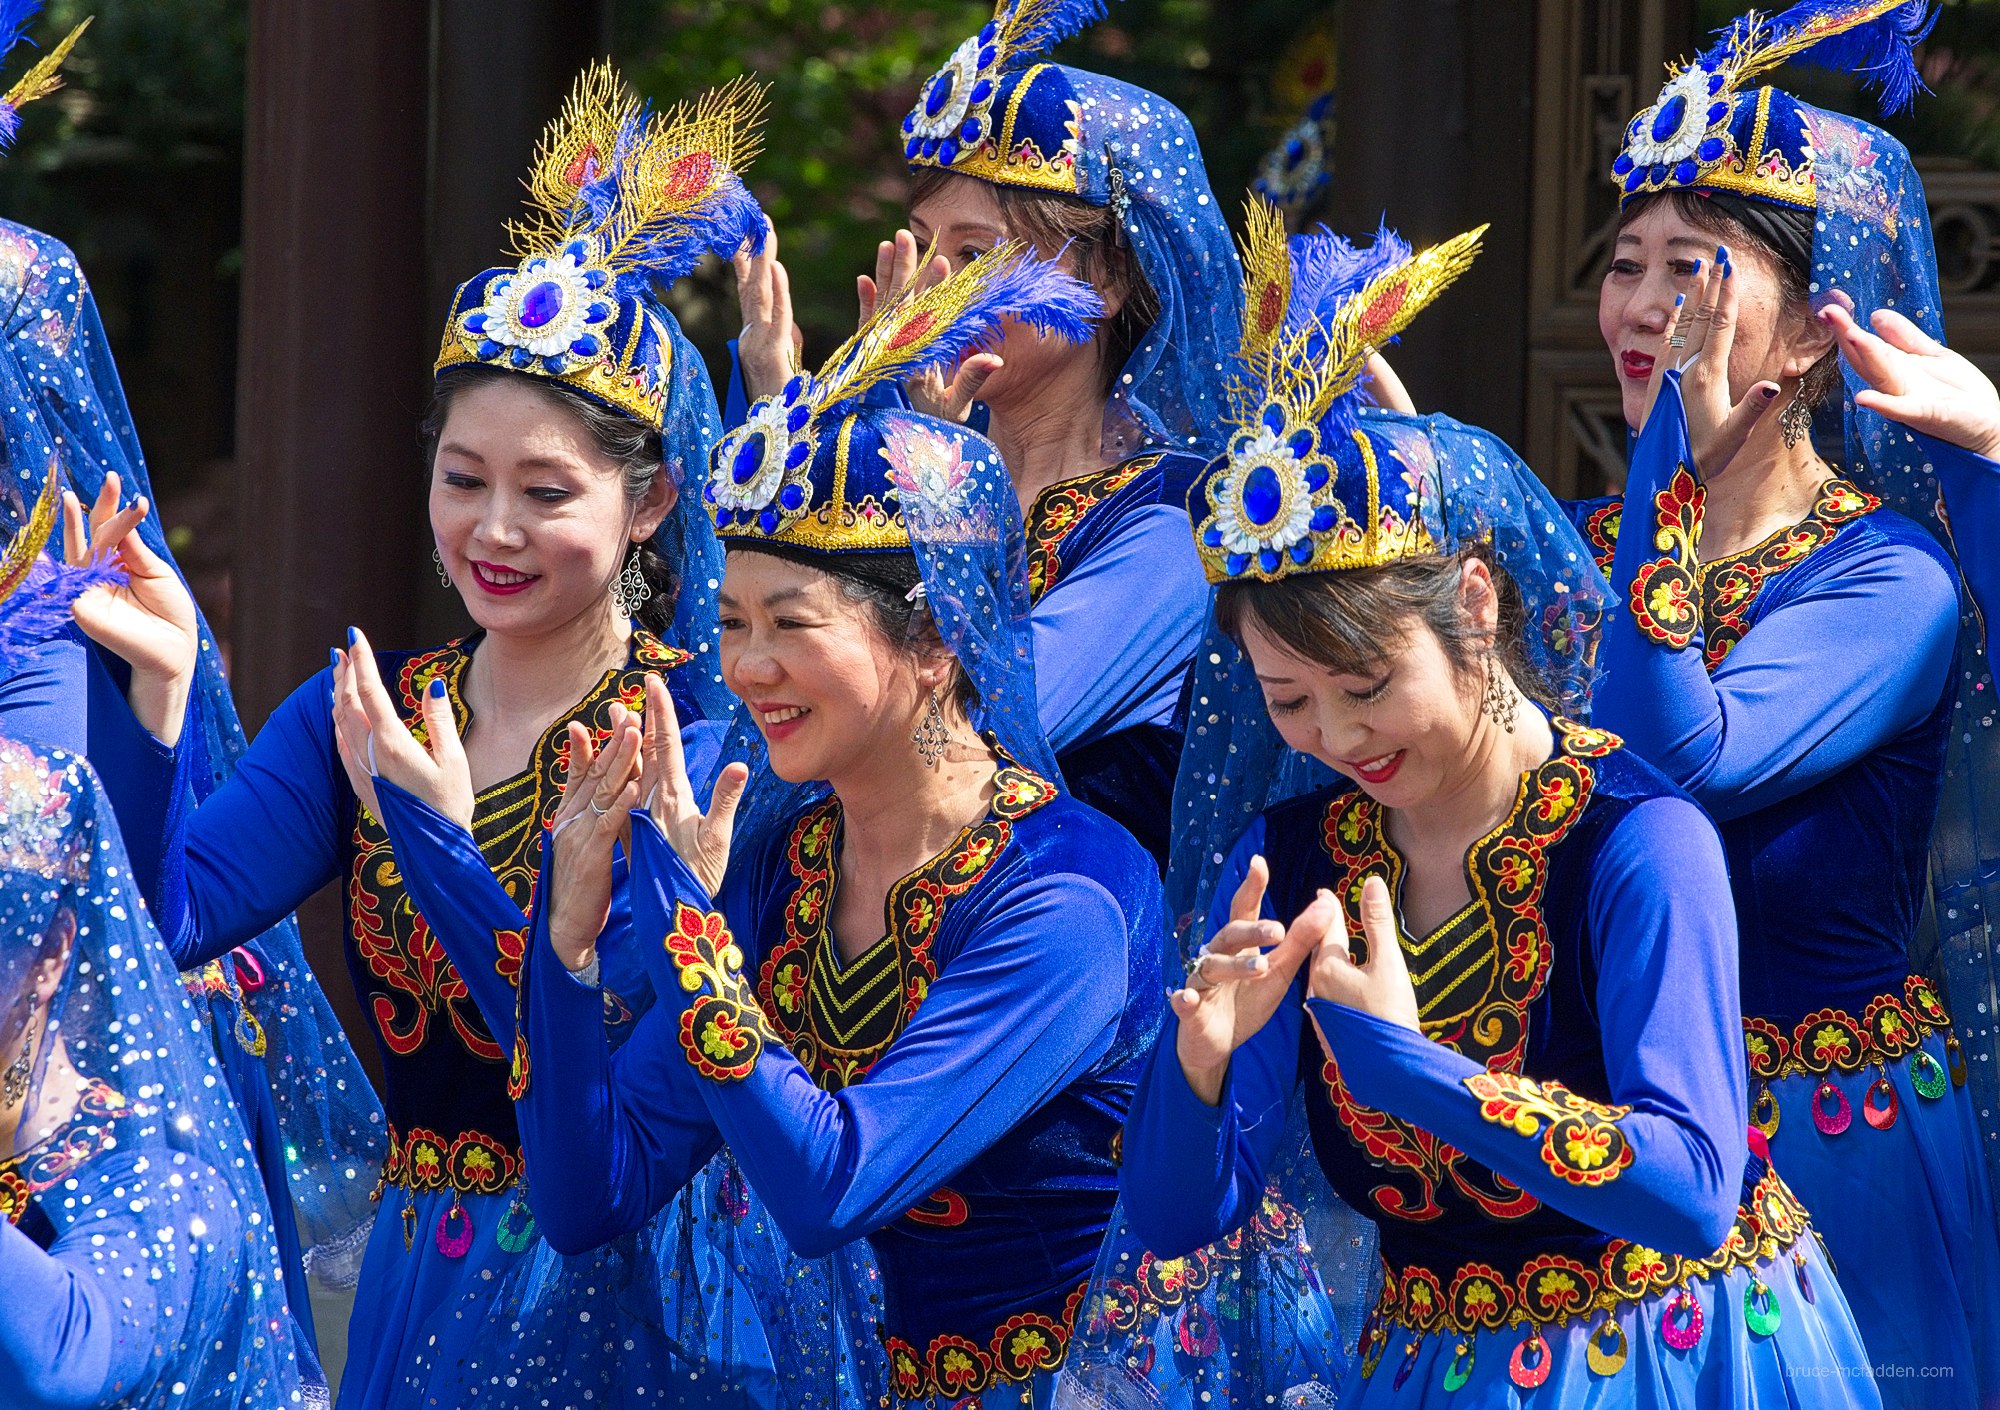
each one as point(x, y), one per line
point(1350, 621)
point(1050, 222)
point(1717, 216)
point(883, 582)
point(634, 446)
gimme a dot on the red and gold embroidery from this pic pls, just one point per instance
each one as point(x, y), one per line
point(723, 1030)
point(839, 1019)
point(1726, 588)
point(471, 1163)
point(1665, 591)
point(1160, 1286)
point(1600, 530)
point(1060, 508)
point(417, 989)
point(1580, 1138)
point(1833, 1040)
point(1476, 977)
point(953, 1366)
point(1730, 585)
point(1550, 1289)
point(91, 1130)
point(943, 1209)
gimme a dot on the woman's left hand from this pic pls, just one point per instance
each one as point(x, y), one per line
point(149, 622)
point(374, 742)
point(1918, 381)
point(1704, 327)
point(1381, 984)
point(699, 839)
point(599, 792)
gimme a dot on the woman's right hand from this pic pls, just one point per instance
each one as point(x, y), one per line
point(699, 839)
point(373, 741)
point(600, 790)
point(1704, 323)
point(149, 622)
point(767, 350)
point(1239, 979)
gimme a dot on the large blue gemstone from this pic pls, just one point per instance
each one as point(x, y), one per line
point(1667, 121)
point(938, 96)
point(544, 301)
point(1263, 496)
point(748, 460)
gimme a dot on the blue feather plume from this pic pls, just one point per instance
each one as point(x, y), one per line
point(1871, 39)
point(1327, 269)
point(39, 608)
point(1033, 27)
point(957, 317)
point(15, 17)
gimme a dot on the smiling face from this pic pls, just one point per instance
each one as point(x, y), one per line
point(1654, 259)
point(531, 515)
point(965, 217)
point(829, 691)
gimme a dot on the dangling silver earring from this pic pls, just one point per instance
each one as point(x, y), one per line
point(437, 562)
point(1499, 700)
point(931, 734)
point(14, 1082)
point(630, 590)
point(1795, 421)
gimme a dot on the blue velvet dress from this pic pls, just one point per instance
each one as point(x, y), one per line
point(1802, 692)
point(1556, 1164)
point(953, 1095)
point(287, 824)
point(1118, 608)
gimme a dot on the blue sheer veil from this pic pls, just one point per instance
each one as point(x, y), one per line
point(128, 1119)
point(63, 396)
point(1872, 243)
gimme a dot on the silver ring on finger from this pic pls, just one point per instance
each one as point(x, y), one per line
point(1196, 980)
point(1677, 341)
point(591, 803)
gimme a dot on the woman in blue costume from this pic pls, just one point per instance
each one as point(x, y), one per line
point(568, 409)
point(1787, 647)
point(1101, 438)
point(912, 1000)
point(137, 1249)
point(1538, 1098)
point(313, 1118)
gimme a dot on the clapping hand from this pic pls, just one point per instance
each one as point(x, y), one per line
point(767, 350)
point(699, 839)
point(1916, 380)
point(149, 621)
point(1240, 977)
point(1380, 983)
point(373, 741)
point(1698, 341)
point(599, 792)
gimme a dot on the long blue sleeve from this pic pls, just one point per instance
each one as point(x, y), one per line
point(1830, 674)
point(84, 1324)
point(608, 1140)
point(42, 698)
point(1193, 1172)
point(1661, 1163)
point(1004, 1027)
point(260, 844)
point(1112, 639)
point(1971, 485)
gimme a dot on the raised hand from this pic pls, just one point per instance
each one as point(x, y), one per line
point(373, 741)
point(149, 622)
point(1240, 977)
point(1380, 984)
point(1918, 381)
point(1698, 341)
point(897, 263)
point(768, 347)
point(699, 839)
point(599, 792)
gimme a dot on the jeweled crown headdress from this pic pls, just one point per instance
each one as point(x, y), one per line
point(1301, 488)
point(995, 113)
point(1705, 130)
point(623, 201)
point(44, 78)
point(812, 468)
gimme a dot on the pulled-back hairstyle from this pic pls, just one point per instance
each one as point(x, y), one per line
point(1350, 621)
point(1053, 222)
point(635, 447)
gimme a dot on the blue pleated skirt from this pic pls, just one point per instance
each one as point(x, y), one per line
point(1907, 1213)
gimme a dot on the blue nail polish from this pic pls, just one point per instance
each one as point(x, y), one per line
point(1697, 265)
point(1680, 299)
point(333, 657)
point(1722, 254)
point(1728, 269)
point(437, 687)
point(352, 636)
